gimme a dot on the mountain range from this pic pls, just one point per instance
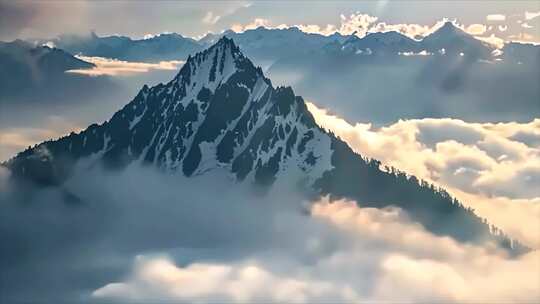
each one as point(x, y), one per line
point(446, 40)
point(265, 45)
point(167, 46)
point(220, 112)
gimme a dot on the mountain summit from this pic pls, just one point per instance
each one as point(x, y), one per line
point(221, 113)
point(454, 40)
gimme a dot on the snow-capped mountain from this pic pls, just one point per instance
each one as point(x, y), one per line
point(448, 39)
point(166, 46)
point(221, 113)
point(265, 46)
point(454, 40)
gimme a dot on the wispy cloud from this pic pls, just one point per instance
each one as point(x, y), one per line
point(476, 29)
point(115, 67)
point(210, 18)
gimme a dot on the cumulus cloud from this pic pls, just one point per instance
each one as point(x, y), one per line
point(476, 29)
point(479, 163)
point(362, 254)
point(357, 22)
point(354, 23)
point(233, 245)
point(115, 67)
point(362, 24)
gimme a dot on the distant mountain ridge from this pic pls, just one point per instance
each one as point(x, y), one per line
point(265, 45)
point(448, 39)
point(167, 46)
point(221, 113)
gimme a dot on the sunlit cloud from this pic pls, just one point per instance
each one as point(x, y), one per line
point(487, 166)
point(257, 22)
point(476, 29)
point(492, 40)
point(532, 15)
point(357, 22)
point(496, 17)
point(14, 140)
point(358, 255)
point(115, 67)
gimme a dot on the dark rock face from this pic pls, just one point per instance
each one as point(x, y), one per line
point(221, 113)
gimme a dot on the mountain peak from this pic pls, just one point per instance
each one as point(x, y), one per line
point(455, 41)
point(449, 29)
point(449, 25)
point(217, 63)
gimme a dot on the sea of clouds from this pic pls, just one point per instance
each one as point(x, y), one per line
point(492, 167)
point(140, 236)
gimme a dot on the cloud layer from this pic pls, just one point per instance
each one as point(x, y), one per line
point(492, 167)
point(362, 254)
point(115, 67)
point(231, 244)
